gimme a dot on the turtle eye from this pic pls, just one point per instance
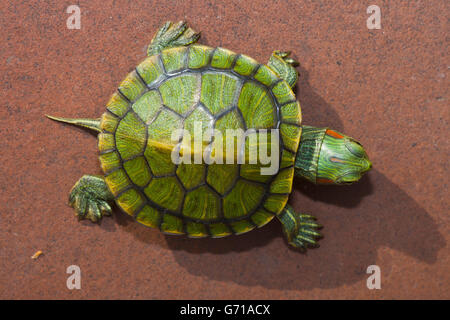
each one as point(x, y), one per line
point(355, 147)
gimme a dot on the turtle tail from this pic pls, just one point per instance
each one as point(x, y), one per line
point(93, 124)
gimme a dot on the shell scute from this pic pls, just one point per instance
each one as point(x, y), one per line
point(110, 161)
point(191, 175)
point(253, 172)
point(245, 65)
point(283, 181)
point(174, 60)
point(130, 136)
point(149, 217)
point(171, 224)
point(229, 120)
point(222, 58)
point(201, 204)
point(117, 181)
point(106, 142)
point(290, 113)
point(165, 192)
point(150, 70)
point(132, 87)
point(109, 122)
point(218, 91)
point(256, 106)
point(118, 105)
point(266, 76)
point(161, 129)
point(275, 203)
point(130, 201)
point(199, 56)
point(219, 230)
point(242, 199)
point(290, 134)
point(221, 177)
point(261, 217)
point(138, 171)
point(196, 230)
point(181, 93)
point(283, 92)
point(159, 159)
point(287, 158)
point(242, 226)
point(148, 105)
point(201, 118)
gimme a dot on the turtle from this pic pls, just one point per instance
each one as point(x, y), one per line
point(183, 85)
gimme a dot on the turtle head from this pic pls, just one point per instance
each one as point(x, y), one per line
point(329, 157)
point(342, 160)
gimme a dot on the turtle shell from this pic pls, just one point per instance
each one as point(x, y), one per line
point(171, 91)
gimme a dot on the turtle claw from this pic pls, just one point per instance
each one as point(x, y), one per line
point(89, 197)
point(94, 211)
point(172, 35)
point(307, 234)
point(285, 56)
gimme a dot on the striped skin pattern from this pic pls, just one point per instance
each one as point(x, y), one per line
point(173, 90)
point(306, 164)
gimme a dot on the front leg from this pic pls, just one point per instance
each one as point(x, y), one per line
point(300, 229)
point(284, 66)
point(91, 198)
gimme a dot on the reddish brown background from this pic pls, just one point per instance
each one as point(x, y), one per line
point(388, 88)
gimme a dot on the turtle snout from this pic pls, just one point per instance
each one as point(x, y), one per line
point(357, 150)
point(357, 162)
point(367, 166)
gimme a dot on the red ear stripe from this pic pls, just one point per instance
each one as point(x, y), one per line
point(334, 134)
point(324, 181)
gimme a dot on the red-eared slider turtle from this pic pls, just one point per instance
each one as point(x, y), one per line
point(182, 85)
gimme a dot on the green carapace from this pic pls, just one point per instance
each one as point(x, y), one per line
point(182, 89)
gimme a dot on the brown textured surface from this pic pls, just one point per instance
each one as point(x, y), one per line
point(388, 88)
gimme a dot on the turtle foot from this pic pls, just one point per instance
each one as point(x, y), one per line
point(284, 66)
point(301, 230)
point(90, 198)
point(285, 56)
point(172, 35)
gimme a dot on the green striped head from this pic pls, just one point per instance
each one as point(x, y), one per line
point(328, 157)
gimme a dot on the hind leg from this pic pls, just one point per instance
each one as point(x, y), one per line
point(172, 35)
point(91, 198)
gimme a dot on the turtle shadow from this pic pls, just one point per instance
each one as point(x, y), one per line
point(315, 110)
point(358, 220)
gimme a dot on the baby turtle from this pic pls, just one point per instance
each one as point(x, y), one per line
point(182, 85)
